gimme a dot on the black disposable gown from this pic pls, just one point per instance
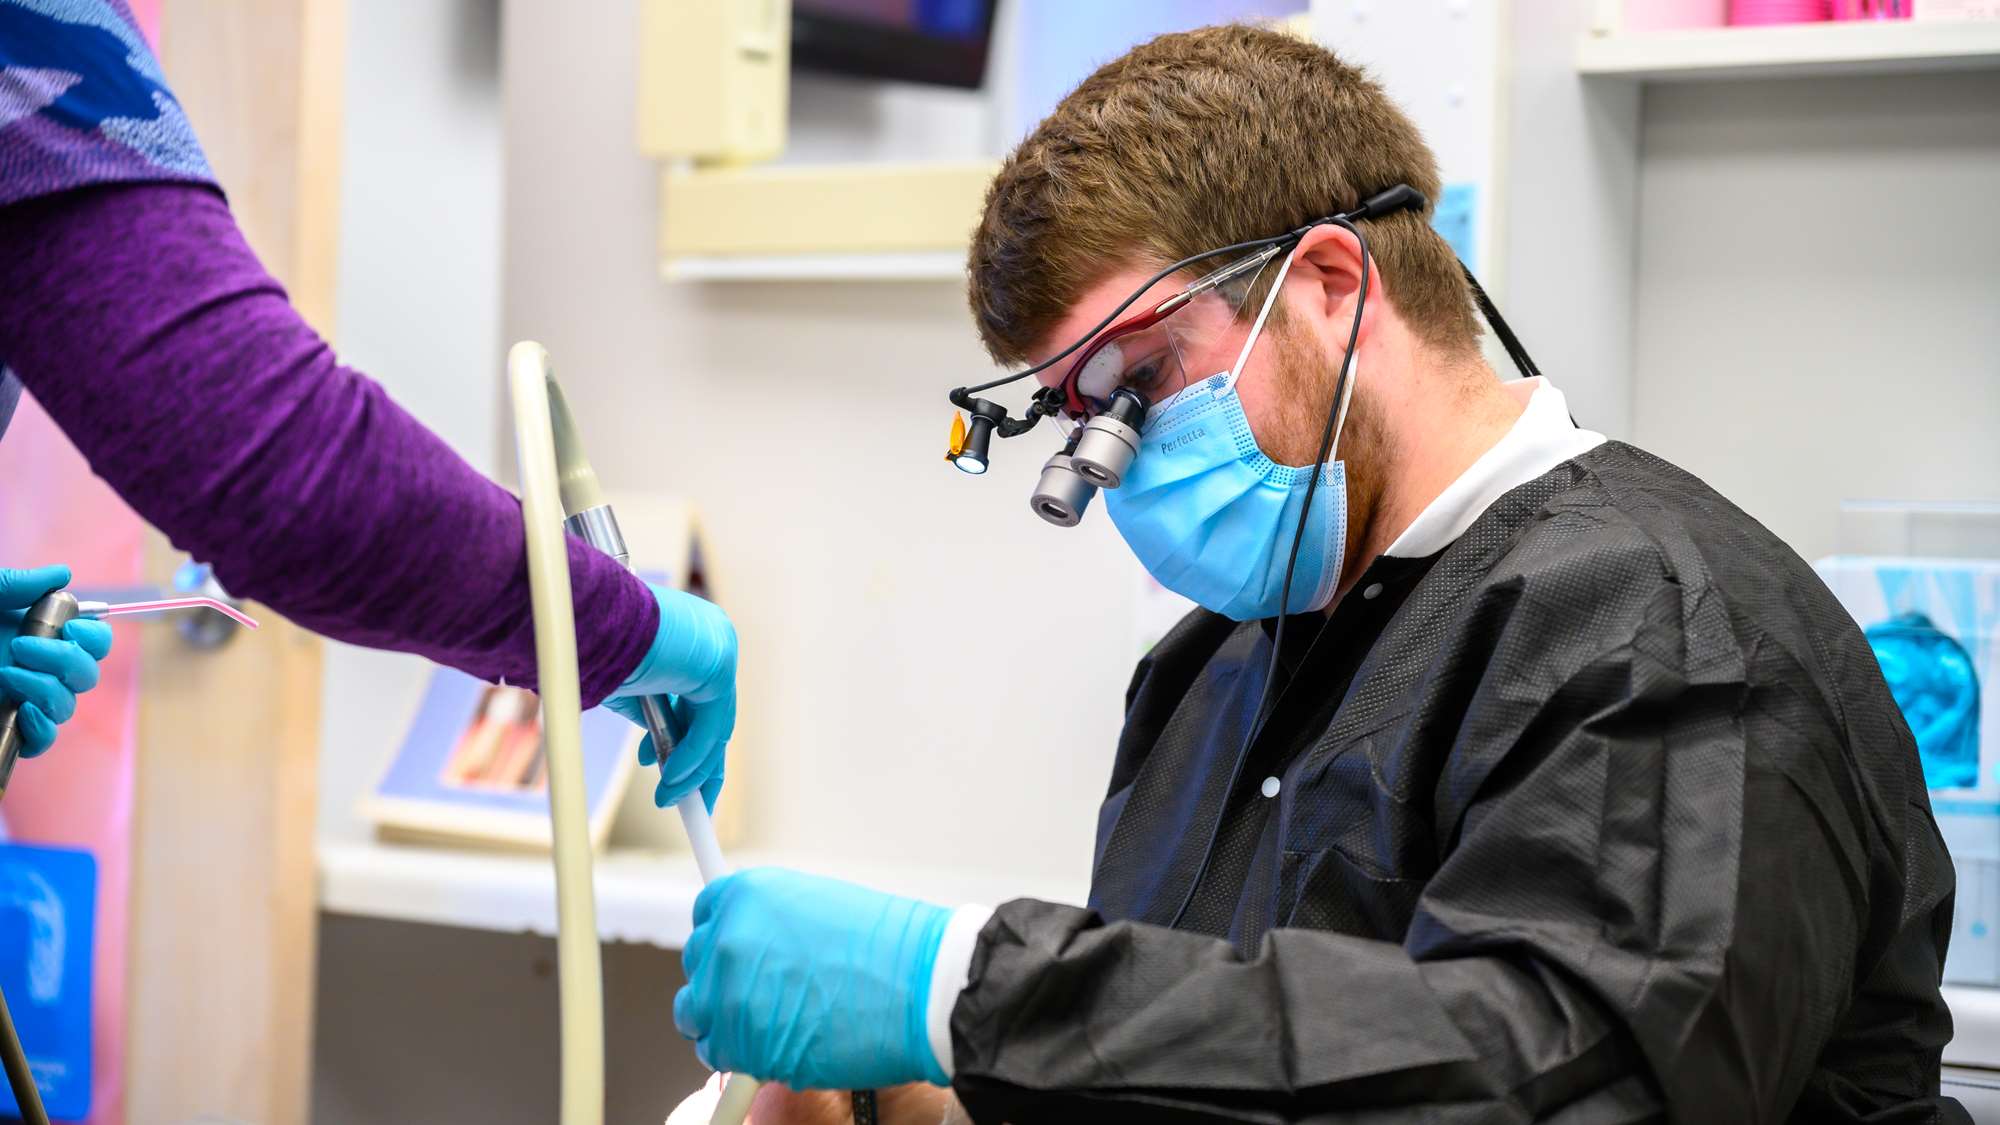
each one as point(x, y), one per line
point(1601, 814)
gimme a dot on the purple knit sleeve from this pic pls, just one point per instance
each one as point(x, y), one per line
point(141, 321)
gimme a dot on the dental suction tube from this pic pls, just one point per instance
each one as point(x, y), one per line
point(579, 972)
point(559, 491)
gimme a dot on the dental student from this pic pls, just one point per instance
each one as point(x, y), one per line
point(133, 311)
point(1557, 789)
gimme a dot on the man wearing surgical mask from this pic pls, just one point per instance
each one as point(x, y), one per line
point(1565, 791)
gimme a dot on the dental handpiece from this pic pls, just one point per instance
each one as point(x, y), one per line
point(45, 618)
point(598, 527)
point(57, 608)
point(693, 807)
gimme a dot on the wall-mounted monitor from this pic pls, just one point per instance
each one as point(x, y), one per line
point(943, 42)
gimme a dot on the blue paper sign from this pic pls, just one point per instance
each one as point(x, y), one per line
point(48, 908)
point(1455, 217)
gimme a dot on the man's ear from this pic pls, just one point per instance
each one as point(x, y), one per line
point(1328, 261)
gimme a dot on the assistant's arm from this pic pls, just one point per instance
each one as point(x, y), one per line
point(143, 323)
point(1642, 906)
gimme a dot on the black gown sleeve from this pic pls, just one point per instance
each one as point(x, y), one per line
point(1655, 898)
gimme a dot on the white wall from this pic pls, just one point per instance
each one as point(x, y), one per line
point(1817, 292)
point(1067, 40)
point(415, 1023)
point(928, 671)
point(1567, 214)
point(419, 298)
point(845, 120)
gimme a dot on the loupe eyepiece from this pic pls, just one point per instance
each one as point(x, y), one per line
point(1106, 446)
point(1062, 494)
point(972, 457)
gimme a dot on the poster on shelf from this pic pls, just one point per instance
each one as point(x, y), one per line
point(472, 770)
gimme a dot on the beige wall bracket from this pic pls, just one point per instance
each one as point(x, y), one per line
point(910, 219)
point(713, 78)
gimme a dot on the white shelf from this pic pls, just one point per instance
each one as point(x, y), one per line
point(642, 896)
point(648, 898)
point(916, 266)
point(1799, 50)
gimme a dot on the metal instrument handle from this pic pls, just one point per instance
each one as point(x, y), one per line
point(44, 619)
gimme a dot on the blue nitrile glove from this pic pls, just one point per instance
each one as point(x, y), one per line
point(812, 982)
point(693, 659)
point(44, 674)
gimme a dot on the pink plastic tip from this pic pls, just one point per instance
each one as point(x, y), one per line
point(161, 606)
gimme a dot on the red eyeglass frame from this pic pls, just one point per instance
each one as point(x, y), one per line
point(1074, 406)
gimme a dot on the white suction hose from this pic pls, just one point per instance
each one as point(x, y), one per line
point(577, 969)
point(557, 482)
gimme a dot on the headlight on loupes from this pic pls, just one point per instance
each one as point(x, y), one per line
point(1095, 457)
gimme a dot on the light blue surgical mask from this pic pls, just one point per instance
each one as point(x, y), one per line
point(1212, 516)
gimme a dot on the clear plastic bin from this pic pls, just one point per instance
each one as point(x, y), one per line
point(1923, 581)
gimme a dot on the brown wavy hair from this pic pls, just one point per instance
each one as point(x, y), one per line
point(1197, 140)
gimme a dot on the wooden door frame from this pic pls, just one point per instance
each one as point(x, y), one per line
point(224, 903)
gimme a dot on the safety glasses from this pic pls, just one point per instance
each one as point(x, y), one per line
point(1159, 352)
